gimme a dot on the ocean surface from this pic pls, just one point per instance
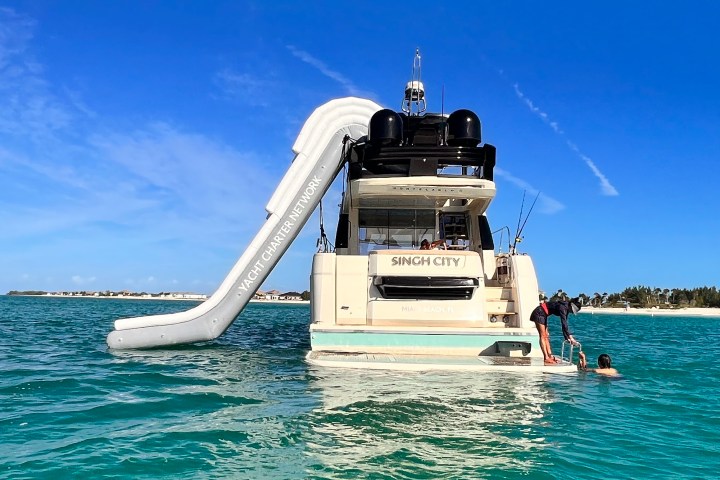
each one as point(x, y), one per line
point(248, 406)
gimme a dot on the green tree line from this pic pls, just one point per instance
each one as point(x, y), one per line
point(647, 297)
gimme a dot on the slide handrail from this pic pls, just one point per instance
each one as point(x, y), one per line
point(318, 160)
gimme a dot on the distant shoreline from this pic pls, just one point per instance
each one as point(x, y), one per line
point(660, 312)
point(110, 297)
point(173, 299)
point(683, 312)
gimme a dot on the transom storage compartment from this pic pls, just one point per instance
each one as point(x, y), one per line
point(425, 287)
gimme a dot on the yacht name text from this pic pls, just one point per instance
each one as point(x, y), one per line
point(423, 261)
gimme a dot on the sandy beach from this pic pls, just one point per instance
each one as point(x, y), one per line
point(254, 300)
point(683, 312)
point(118, 297)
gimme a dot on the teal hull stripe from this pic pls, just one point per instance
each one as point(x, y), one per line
point(357, 339)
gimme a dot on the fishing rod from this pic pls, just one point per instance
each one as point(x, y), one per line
point(517, 229)
point(518, 237)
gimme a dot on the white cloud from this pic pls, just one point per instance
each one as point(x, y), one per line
point(150, 187)
point(537, 111)
point(181, 186)
point(149, 281)
point(605, 186)
point(185, 171)
point(15, 32)
point(27, 107)
point(546, 203)
point(157, 181)
point(346, 83)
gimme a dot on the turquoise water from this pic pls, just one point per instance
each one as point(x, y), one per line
point(247, 406)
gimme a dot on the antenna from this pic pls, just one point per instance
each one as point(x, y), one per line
point(414, 89)
point(443, 139)
point(442, 101)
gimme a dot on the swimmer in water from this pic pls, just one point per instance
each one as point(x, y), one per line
point(604, 365)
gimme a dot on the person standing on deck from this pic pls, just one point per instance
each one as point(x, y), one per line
point(540, 317)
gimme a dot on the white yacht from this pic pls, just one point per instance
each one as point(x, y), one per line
point(379, 299)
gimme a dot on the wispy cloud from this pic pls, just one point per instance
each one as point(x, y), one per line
point(161, 180)
point(27, 107)
point(346, 83)
point(605, 186)
point(546, 204)
point(80, 280)
point(76, 101)
point(147, 282)
point(15, 32)
point(245, 87)
point(89, 193)
point(187, 174)
point(537, 111)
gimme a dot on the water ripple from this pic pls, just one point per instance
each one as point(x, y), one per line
point(247, 405)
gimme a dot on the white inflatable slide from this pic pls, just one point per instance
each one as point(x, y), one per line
point(318, 159)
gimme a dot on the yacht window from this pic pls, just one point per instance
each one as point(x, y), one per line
point(394, 228)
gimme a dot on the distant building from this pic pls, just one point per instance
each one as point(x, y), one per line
point(272, 295)
point(191, 296)
point(291, 296)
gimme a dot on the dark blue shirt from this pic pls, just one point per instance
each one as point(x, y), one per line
point(561, 309)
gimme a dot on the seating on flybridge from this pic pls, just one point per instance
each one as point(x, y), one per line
point(377, 299)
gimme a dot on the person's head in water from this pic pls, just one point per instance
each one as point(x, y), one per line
point(604, 361)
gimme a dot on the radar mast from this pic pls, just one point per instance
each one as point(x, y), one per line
point(414, 101)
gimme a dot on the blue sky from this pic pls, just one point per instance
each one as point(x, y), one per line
point(140, 141)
